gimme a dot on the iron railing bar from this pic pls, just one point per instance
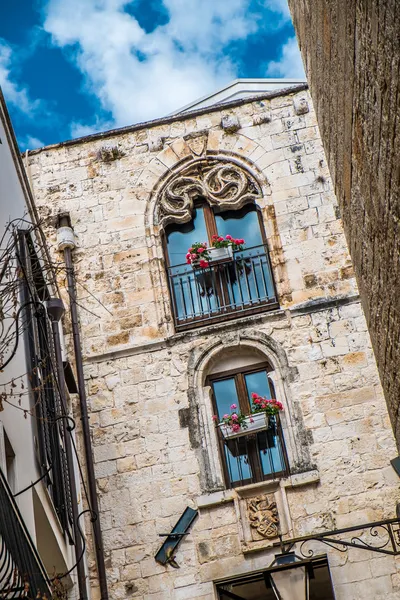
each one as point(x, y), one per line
point(198, 295)
point(183, 297)
point(174, 305)
point(240, 286)
point(247, 286)
point(191, 295)
point(263, 278)
point(255, 279)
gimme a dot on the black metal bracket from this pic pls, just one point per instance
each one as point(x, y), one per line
point(380, 536)
point(165, 554)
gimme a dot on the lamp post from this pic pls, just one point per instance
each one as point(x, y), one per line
point(289, 577)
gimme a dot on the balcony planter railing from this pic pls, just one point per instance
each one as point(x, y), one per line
point(226, 288)
point(252, 424)
point(218, 255)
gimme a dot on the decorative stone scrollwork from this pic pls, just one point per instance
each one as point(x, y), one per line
point(263, 516)
point(221, 183)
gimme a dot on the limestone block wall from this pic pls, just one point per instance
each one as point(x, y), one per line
point(351, 56)
point(154, 441)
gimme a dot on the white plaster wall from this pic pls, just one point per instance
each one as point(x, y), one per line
point(20, 430)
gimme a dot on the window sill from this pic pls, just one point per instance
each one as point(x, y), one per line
point(226, 496)
point(215, 499)
point(293, 481)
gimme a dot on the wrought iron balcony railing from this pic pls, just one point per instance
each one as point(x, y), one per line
point(22, 574)
point(225, 289)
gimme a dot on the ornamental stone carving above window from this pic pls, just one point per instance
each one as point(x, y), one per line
point(221, 183)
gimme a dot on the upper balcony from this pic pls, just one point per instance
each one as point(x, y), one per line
point(231, 287)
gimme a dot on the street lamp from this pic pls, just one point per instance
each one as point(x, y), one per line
point(289, 577)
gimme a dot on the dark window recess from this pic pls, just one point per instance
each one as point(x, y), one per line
point(253, 457)
point(42, 371)
point(237, 287)
point(252, 586)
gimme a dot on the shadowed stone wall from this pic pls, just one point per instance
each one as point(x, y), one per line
point(351, 50)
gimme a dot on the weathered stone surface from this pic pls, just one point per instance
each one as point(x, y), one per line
point(155, 446)
point(351, 52)
point(230, 123)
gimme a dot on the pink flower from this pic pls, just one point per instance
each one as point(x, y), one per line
point(233, 406)
point(214, 237)
point(225, 417)
point(251, 420)
point(257, 401)
point(241, 241)
point(188, 262)
point(234, 417)
point(235, 427)
point(190, 250)
point(228, 237)
point(188, 255)
point(215, 418)
point(203, 264)
point(201, 250)
point(193, 256)
point(220, 239)
point(254, 395)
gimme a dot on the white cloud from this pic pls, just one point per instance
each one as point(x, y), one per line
point(30, 142)
point(290, 64)
point(139, 75)
point(14, 94)
point(81, 129)
point(279, 6)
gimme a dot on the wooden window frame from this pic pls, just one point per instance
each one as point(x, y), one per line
point(244, 405)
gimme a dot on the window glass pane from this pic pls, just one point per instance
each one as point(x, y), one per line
point(249, 278)
point(240, 224)
point(236, 457)
point(258, 383)
point(271, 455)
point(225, 394)
point(192, 290)
point(180, 240)
point(271, 452)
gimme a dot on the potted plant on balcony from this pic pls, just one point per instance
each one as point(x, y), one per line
point(262, 412)
point(233, 424)
point(223, 247)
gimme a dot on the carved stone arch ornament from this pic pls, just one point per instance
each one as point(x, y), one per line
point(221, 179)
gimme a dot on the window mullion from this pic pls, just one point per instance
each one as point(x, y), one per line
point(210, 222)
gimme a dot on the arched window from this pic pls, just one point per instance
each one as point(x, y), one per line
point(234, 283)
point(256, 452)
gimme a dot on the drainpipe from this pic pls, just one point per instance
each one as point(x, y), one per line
point(55, 310)
point(66, 243)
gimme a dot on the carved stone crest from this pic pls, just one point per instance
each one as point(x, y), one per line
point(263, 516)
point(220, 182)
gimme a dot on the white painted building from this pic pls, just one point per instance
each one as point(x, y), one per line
point(36, 528)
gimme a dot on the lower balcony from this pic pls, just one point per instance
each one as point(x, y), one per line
point(240, 285)
point(22, 574)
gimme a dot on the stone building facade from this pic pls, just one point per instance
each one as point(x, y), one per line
point(154, 353)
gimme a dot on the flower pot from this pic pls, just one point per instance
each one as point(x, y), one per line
point(260, 422)
point(220, 254)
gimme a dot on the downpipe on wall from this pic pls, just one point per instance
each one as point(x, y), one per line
point(66, 243)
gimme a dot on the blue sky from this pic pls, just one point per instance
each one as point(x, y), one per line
point(73, 67)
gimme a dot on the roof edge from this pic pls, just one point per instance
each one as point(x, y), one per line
point(171, 118)
point(289, 81)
